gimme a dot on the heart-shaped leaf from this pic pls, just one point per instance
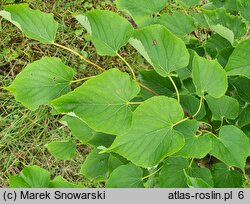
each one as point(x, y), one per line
point(164, 51)
point(108, 31)
point(178, 23)
point(231, 147)
point(223, 107)
point(41, 81)
point(151, 137)
point(102, 102)
point(33, 23)
point(209, 77)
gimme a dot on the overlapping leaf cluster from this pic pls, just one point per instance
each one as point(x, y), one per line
point(184, 122)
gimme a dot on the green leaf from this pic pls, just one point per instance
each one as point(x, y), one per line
point(215, 44)
point(186, 72)
point(246, 186)
point(157, 83)
point(78, 127)
point(17, 182)
point(126, 176)
point(41, 81)
point(164, 51)
point(244, 117)
point(196, 146)
point(220, 16)
point(223, 107)
point(104, 108)
point(108, 31)
point(172, 174)
point(201, 20)
point(239, 63)
point(230, 5)
point(178, 23)
point(64, 150)
point(224, 55)
point(31, 177)
point(246, 130)
point(200, 173)
point(85, 134)
point(151, 137)
point(95, 166)
point(33, 23)
point(142, 11)
point(209, 77)
point(223, 32)
point(60, 182)
point(196, 182)
point(191, 104)
point(35, 176)
point(101, 139)
point(225, 177)
point(241, 84)
point(113, 163)
point(231, 147)
point(243, 8)
point(189, 85)
point(189, 3)
point(98, 166)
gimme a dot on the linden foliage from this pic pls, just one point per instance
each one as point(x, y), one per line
point(183, 123)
